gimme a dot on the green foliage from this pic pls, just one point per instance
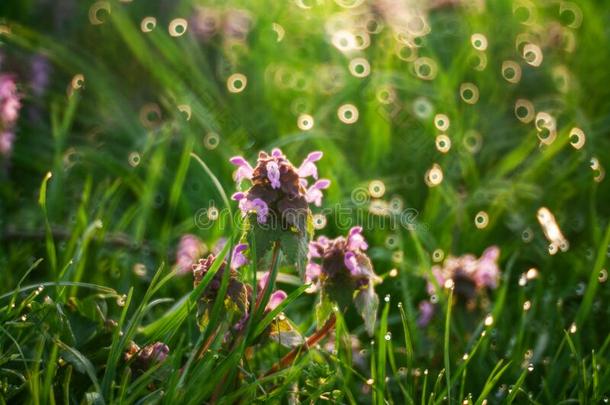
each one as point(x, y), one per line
point(85, 252)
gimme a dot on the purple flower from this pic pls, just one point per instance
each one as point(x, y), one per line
point(276, 299)
point(351, 262)
point(244, 170)
point(10, 104)
point(308, 168)
point(145, 358)
point(273, 174)
point(10, 101)
point(314, 193)
point(426, 312)
point(239, 259)
point(258, 206)
point(488, 272)
point(190, 249)
point(278, 188)
point(312, 274)
point(355, 240)
point(344, 273)
point(469, 275)
point(237, 292)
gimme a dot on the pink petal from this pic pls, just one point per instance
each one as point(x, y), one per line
point(276, 299)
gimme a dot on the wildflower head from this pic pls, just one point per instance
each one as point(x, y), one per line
point(469, 275)
point(277, 186)
point(277, 200)
point(236, 299)
point(143, 359)
point(343, 273)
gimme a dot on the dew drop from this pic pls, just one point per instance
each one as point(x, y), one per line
point(489, 320)
point(388, 336)
point(387, 298)
point(530, 367)
point(573, 328)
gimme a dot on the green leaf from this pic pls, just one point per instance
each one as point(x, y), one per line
point(263, 237)
point(324, 308)
point(294, 247)
point(367, 302)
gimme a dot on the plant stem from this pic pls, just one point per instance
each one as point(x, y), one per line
point(311, 341)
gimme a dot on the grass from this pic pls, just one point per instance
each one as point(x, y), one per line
point(101, 185)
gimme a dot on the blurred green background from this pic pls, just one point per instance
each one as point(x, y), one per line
point(124, 187)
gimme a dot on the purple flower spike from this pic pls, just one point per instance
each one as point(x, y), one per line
point(273, 174)
point(244, 170)
point(355, 240)
point(276, 299)
point(314, 194)
point(308, 168)
point(239, 259)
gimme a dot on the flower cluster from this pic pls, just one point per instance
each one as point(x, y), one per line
point(343, 272)
point(468, 275)
point(143, 359)
point(279, 189)
point(190, 249)
point(237, 293)
point(10, 104)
